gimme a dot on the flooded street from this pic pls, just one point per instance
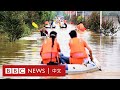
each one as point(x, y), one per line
point(26, 52)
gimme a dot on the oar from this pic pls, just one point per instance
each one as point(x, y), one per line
point(92, 62)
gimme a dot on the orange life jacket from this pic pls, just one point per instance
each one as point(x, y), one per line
point(46, 22)
point(81, 27)
point(48, 53)
point(77, 50)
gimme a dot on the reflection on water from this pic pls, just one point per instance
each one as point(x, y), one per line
point(20, 51)
point(105, 48)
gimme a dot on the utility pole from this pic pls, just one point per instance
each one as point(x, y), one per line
point(70, 14)
point(83, 15)
point(100, 30)
point(76, 13)
point(100, 19)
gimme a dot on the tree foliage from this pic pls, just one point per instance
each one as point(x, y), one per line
point(93, 22)
point(18, 23)
point(80, 19)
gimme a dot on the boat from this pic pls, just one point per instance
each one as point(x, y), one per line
point(43, 37)
point(62, 25)
point(47, 26)
point(92, 66)
point(81, 68)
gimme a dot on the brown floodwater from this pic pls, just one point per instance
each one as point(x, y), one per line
point(26, 51)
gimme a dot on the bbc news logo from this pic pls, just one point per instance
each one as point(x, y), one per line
point(34, 70)
point(14, 70)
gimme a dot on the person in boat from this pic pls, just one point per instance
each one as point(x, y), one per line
point(78, 53)
point(43, 32)
point(50, 50)
point(65, 22)
point(46, 23)
point(51, 24)
point(81, 27)
point(63, 59)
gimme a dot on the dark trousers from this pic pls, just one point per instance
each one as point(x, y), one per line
point(64, 59)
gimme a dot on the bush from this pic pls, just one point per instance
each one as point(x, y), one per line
point(14, 29)
point(108, 27)
point(107, 24)
point(18, 23)
point(74, 19)
point(66, 17)
point(26, 30)
point(93, 22)
point(80, 19)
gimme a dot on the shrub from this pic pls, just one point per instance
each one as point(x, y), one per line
point(107, 24)
point(13, 29)
point(74, 19)
point(80, 19)
point(108, 27)
point(93, 22)
point(26, 30)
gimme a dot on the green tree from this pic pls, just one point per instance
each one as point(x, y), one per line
point(66, 16)
point(80, 19)
point(17, 24)
point(13, 23)
point(93, 21)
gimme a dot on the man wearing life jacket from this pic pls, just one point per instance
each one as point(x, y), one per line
point(81, 27)
point(78, 46)
point(46, 22)
point(50, 49)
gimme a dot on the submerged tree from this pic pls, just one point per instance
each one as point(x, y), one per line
point(17, 24)
point(93, 21)
point(108, 27)
point(12, 23)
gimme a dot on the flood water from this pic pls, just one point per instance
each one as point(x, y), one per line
point(105, 48)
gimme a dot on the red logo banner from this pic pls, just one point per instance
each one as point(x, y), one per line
point(34, 70)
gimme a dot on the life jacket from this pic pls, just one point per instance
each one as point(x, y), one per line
point(48, 53)
point(81, 27)
point(46, 22)
point(77, 50)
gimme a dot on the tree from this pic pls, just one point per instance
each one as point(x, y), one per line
point(17, 24)
point(13, 24)
point(93, 21)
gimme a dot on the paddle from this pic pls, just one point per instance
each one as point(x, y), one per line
point(35, 25)
point(92, 62)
